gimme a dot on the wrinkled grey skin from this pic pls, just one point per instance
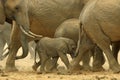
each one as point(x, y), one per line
point(70, 29)
point(54, 48)
point(40, 16)
point(101, 17)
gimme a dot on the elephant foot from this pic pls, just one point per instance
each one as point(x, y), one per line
point(68, 72)
point(62, 71)
point(97, 69)
point(86, 68)
point(54, 70)
point(75, 69)
point(10, 69)
point(34, 67)
point(50, 65)
point(44, 72)
point(115, 68)
point(65, 72)
point(41, 72)
point(72, 70)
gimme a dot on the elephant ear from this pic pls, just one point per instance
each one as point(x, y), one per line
point(2, 14)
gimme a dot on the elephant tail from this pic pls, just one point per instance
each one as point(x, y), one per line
point(36, 51)
point(79, 39)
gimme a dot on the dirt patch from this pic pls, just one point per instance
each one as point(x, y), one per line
point(26, 73)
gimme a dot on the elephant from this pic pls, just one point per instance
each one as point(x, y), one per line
point(70, 29)
point(101, 17)
point(41, 17)
point(54, 48)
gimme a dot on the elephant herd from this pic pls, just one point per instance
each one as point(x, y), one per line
point(82, 28)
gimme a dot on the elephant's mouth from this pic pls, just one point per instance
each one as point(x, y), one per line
point(30, 34)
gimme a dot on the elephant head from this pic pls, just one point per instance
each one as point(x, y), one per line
point(17, 10)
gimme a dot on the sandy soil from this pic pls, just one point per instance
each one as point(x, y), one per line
point(26, 73)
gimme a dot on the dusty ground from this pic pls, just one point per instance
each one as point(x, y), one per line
point(26, 73)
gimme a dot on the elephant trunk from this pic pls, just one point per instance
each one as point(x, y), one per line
point(24, 43)
point(25, 53)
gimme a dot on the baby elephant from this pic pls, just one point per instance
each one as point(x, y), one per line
point(53, 48)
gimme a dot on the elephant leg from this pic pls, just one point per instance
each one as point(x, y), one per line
point(43, 57)
point(98, 59)
point(64, 58)
point(86, 61)
point(115, 49)
point(2, 44)
point(10, 63)
point(42, 68)
point(14, 46)
point(36, 65)
point(105, 46)
point(103, 42)
point(55, 64)
point(83, 49)
point(51, 64)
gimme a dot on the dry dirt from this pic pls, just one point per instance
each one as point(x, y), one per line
point(26, 73)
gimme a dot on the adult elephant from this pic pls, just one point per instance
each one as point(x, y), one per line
point(101, 17)
point(39, 16)
point(70, 29)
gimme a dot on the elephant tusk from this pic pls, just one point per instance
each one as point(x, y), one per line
point(28, 34)
point(39, 36)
